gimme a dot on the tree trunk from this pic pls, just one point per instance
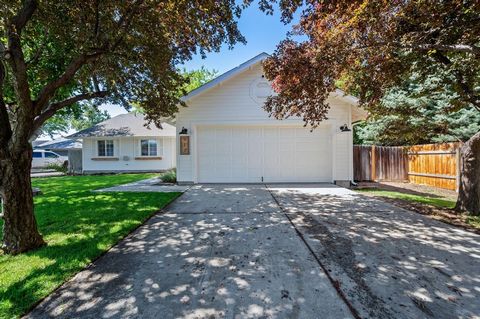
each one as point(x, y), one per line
point(469, 190)
point(20, 231)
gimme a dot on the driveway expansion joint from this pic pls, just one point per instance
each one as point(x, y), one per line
point(334, 283)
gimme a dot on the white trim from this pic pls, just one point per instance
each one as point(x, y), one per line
point(333, 139)
point(115, 145)
point(261, 122)
point(160, 140)
point(341, 94)
point(159, 146)
point(226, 76)
point(350, 145)
point(193, 153)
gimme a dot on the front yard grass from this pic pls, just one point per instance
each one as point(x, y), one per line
point(434, 201)
point(437, 206)
point(79, 226)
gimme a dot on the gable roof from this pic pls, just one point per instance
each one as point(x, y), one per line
point(357, 114)
point(130, 124)
point(226, 76)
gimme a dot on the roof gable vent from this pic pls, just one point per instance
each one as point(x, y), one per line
point(260, 89)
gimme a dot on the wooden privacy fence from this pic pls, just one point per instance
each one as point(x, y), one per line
point(379, 163)
point(435, 165)
point(432, 164)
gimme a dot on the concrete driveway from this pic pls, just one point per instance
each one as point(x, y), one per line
point(279, 251)
point(389, 262)
point(217, 252)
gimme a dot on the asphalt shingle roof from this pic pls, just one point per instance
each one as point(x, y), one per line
point(130, 124)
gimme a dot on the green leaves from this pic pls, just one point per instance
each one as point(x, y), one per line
point(416, 112)
point(373, 47)
point(132, 46)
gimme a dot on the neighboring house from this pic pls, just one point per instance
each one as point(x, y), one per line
point(60, 146)
point(226, 136)
point(124, 144)
point(66, 147)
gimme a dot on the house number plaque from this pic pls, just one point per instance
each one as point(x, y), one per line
point(185, 145)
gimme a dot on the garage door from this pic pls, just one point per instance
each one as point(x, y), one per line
point(268, 154)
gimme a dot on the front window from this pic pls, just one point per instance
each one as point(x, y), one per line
point(148, 148)
point(105, 148)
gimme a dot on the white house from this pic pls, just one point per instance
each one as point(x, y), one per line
point(124, 144)
point(225, 136)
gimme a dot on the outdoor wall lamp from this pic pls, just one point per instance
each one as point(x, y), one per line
point(344, 128)
point(183, 131)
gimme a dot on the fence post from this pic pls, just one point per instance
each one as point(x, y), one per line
point(458, 159)
point(374, 164)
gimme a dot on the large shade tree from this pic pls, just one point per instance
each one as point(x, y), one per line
point(373, 46)
point(55, 53)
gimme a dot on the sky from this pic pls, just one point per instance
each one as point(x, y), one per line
point(262, 32)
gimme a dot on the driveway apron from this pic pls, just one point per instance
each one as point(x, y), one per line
point(219, 251)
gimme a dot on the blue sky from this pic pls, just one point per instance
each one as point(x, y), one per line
point(263, 33)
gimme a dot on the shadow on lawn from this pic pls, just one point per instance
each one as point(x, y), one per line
point(78, 226)
point(403, 190)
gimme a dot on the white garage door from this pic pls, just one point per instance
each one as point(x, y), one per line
point(268, 154)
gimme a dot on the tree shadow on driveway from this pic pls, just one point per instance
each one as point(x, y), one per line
point(202, 259)
point(389, 262)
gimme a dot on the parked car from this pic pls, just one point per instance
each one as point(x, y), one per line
point(42, 159)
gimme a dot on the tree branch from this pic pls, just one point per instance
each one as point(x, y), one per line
point(425, 47)
point(446, 47)
point(17, 59)
point(24, 115)
point(49, 90)
point(24, 15)
point(56, 106)
point(125, 21)
point(464, 90)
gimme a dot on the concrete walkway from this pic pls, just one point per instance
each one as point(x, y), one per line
point(146, 185)
point(39, 172)
point(230, 251)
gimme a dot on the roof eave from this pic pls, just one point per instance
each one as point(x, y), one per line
point(225, 76)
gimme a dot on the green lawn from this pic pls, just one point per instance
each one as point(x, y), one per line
point(441, 202)
point(78, 225)
point(430, 200)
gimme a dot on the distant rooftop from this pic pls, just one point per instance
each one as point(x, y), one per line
point(130, 124)
point(60, 144)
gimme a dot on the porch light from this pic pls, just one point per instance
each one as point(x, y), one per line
point(184, 131)
point(344, 128)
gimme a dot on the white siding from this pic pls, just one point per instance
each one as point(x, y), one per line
point(230, 103)
point(125, 151)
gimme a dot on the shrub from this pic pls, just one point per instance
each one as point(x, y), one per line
point(59, 168)
point(169, 176)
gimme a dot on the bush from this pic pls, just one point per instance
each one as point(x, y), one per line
point(59, 168)
point(169, 176)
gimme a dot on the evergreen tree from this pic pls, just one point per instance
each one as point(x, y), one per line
point(418, 112)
